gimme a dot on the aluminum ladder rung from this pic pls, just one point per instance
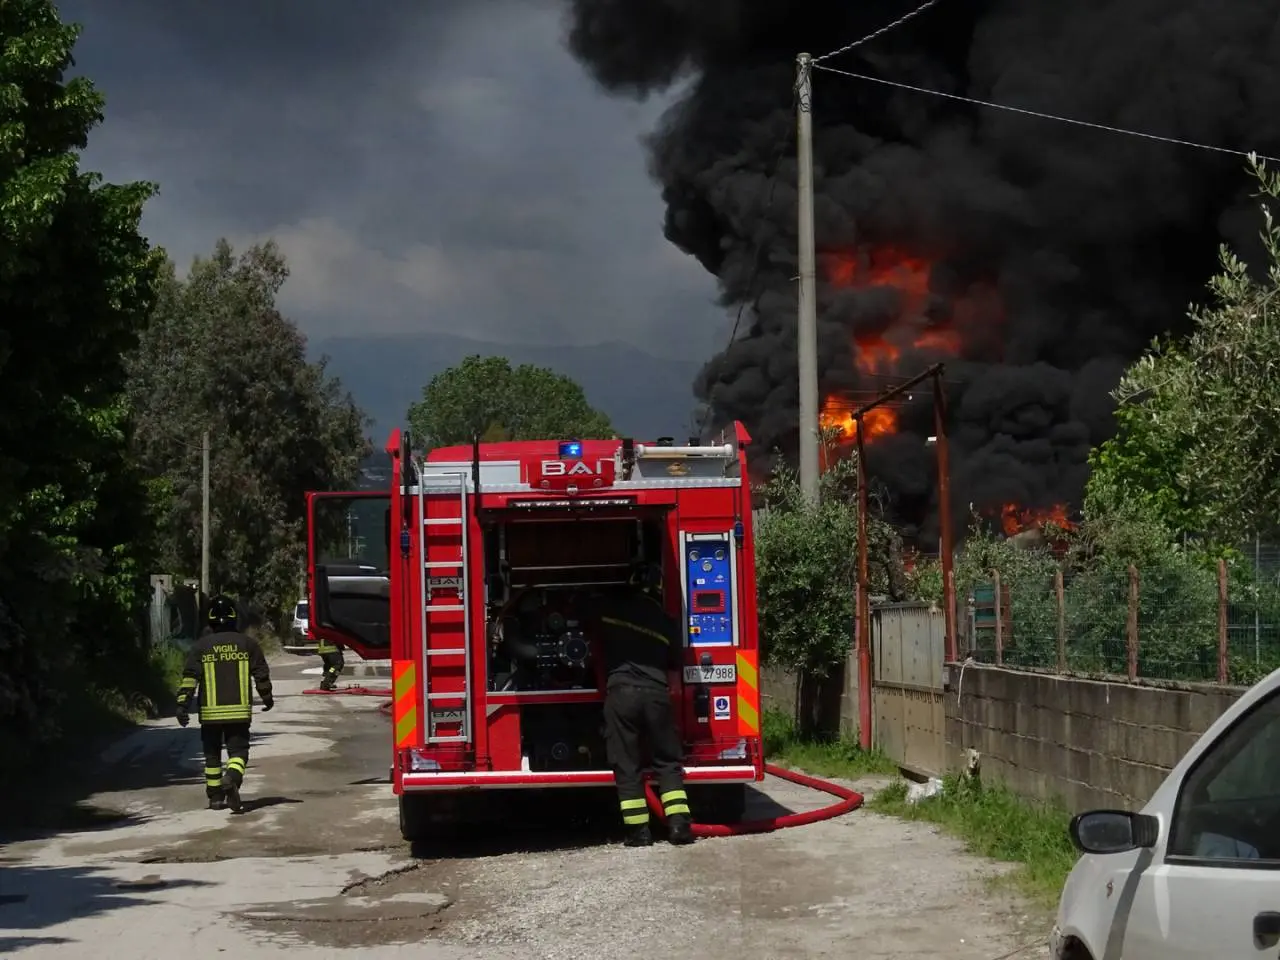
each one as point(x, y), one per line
point(463, 605)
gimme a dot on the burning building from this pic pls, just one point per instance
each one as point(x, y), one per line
point(1036, 258)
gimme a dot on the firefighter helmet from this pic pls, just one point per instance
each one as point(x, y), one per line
point(222, 613)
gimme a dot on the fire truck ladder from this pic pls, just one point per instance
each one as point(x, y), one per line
point(451, 487)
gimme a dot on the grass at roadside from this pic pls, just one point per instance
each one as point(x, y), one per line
point(992, 821)
point(94, 703)
point(112, 698)
point(839, 757)
point(995, 822)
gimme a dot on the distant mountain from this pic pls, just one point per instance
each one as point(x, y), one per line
point(645, 396)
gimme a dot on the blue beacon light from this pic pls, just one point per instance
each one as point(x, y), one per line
point(570, 449)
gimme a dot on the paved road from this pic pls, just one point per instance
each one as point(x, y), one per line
point(315, 868)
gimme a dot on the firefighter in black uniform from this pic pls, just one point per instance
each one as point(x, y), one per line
point(217, 672)
point(641, 643)
point(331, 657)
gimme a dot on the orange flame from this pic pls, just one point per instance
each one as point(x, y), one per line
point(885, 267)
point(838, 415)
point(923, 325)
point(1015, 519)
point(880, 354)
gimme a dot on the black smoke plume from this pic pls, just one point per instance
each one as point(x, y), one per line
point(1093, 242)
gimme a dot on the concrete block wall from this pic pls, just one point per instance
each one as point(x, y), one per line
point(778, 690)
point(832, 700)
point(1090, 743)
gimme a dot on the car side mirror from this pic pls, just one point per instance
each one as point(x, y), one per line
point(1113, 831)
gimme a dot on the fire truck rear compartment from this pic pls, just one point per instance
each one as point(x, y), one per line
point(538, 572)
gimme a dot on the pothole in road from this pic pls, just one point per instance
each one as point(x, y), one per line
point(194, 857)
point(367, 912)
point(340, 909)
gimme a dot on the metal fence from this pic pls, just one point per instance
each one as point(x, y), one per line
point(1183, 624)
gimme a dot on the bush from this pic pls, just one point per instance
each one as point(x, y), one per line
point(806, 569)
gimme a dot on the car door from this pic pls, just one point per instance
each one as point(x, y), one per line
point(1214, 889)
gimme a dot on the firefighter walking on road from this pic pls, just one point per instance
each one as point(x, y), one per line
point(642, 643)
point(217, 672)
point(331, 658)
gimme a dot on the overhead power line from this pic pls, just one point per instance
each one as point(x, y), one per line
point(1046, 116)
point(878, 33)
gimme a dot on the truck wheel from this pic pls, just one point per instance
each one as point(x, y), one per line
point(415, 818)
point(718, 804)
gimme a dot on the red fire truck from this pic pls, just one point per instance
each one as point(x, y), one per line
point(472, 567)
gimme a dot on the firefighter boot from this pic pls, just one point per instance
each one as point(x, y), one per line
point(679, 828)
point(218, 801)
point(638, 836)
point(231, 789)
point(328, 683)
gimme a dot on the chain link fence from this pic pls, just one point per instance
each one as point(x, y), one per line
point(1177, 623)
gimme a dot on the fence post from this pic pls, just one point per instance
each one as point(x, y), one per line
point(1062, 620)
point(995, 582)
point(1133, 622)
point(1222, 620)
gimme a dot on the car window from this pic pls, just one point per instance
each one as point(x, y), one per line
point(1229, 805)
point(302, 611)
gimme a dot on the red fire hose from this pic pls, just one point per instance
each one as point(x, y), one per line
point(351, 692)
point(849, 800)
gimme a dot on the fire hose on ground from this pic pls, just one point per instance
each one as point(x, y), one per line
point(353, 691)
point(848, 800)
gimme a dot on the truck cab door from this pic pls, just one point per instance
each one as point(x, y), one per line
point(348, 570)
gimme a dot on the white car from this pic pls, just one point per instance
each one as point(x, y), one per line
point(300, 639)
point(1197, 872)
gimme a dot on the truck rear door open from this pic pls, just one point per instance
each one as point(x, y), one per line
point(348, 575)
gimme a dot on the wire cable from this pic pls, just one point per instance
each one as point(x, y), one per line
point(1048, 116)
point(878, 33)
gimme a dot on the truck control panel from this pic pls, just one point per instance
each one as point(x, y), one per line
point(708, 561)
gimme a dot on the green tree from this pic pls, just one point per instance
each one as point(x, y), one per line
point(487, 396)
point(76, 285)
point(219, 356)
point(1198, 447)
point(807, 569)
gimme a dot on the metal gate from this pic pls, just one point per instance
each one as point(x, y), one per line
point(907, 649)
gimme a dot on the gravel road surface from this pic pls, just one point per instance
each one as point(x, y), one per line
point(314, 868)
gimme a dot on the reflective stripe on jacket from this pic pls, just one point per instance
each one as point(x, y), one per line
point(217, 672)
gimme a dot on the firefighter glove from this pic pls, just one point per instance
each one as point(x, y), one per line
point(183, 718)
point(267, 703)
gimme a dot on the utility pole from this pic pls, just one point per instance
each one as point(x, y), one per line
point(863, 613)
point(204, 517)
point(946, 545)
point(807, 317)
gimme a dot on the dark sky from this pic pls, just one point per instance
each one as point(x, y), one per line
point(426, 165)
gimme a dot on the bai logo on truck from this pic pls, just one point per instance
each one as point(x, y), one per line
point(579, 468)
point(566, 474)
